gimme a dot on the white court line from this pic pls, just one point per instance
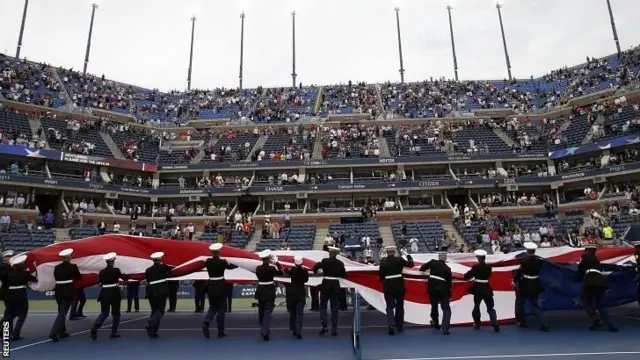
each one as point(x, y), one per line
point(247, 311)
point(75, 333)
point(626, 317)
point(522, 356)
point(257, 328)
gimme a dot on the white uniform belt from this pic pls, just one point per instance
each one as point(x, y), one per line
point(436, 278)
point(62, 282)
point(105, 286)
point(17, 287)
point(481, 281)
point(594, 271)
point(530, 277)
point(265, 283)
point(217, 278)
point(157, 282)
point(393, 276)
point(331, 278)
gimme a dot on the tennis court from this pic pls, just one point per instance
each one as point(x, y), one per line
point(181, 337)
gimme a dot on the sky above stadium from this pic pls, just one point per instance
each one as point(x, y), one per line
point(146, 42)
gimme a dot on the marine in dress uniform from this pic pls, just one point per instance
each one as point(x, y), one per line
point(390, 273)
point(174, 286)
point(529, 287)
point(64, 273)
point(200, 294)
point(266, 291)
point(157, 292)
point(109, 296)
point(217, 290)
point(481, 290)
point(439, 287)
point(77, 305)
point(637, 255)
point(332, 270)
point(17, 300)
point(296, 296)
point(5, 268)
point(595, 286)
point(133, 293)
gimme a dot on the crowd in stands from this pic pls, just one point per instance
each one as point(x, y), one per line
point(349, 141)
point(350, 98)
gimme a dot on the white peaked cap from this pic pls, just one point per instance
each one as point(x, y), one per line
point(110, 256)
point(66, 252)
point(390, 248)
point(297, 260)
point(7, 253)
point(157, 255)
point(215, 247)
point(264, 254)
point(530, 245)
point(16, 260)
point(480, 253)
point(334, 248)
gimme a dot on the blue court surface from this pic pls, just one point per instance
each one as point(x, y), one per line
point(181, 338)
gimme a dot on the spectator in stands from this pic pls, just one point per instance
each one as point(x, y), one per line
point(48, 219)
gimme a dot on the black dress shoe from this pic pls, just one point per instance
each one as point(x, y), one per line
point(446, 332)
point(115, 336)
point(496, 328)
point(64, 335)
point(94, 333)
point(205, 331)
point(476, 326)
point(149, 331)
point(435, 325)
point(265, 337)
point(544, 328)
point(392, 331)
point(16, 338)
point(334, 332)
point(324, 330)
point(298, 336)
point(128, 311)
point(54, 337)
point(221, 334)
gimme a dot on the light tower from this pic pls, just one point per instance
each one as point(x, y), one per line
point(613, 28)
point(242, 16)
point(293, 72)
point(397, 10)
point(453, 43)
point(94, 6)
point(24, 20)
point(193, 33)
point(504, 39)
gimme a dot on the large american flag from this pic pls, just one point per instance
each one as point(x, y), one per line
point(188, 259)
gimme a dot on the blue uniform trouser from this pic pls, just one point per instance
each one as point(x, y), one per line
point(158, 304)
point(445, 305)
point(334, 297)
point(296, 313)
point(593, 300)
point(107, 307)
point(217, 309)
point(488, 302)
point(59, 325)
point(265, 308)
point(395, 310)
point(535, 308)
point(14, 310)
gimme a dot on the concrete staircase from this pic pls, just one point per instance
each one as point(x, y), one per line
point(321, 233)
point(253, 242)
point(453, 234)
point(386, 234)
point(317, 148)
point(35, 125)
point(61, 235)
point(111, 145)
point(384, 148)
point(502, 135)
point(259, 144)
point(198, 158)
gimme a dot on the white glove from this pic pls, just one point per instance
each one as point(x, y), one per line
point(403, 252)
point(274, 258)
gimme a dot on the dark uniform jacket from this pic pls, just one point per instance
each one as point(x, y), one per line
point(18, 277)
point(482, 272)
point(436, 287)
point(299, 277)
point(216, 267)
point(109, 276)
point(157, 271)
point(331, 267)
point(265, 274)
point(65, 271)
point(4, 272)
point(392, 266)
point(527, 277)
point(590, 271)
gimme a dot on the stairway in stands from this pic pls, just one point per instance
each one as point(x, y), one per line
point(453, 233)
point(321, 233)
point(386, 234)
point(253, 242)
